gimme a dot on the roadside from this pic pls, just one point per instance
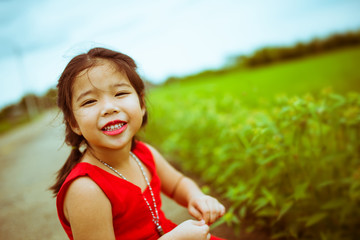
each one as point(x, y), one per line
point(29, 157)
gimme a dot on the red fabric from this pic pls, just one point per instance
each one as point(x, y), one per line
point(131, 216)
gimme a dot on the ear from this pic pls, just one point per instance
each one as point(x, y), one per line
point(143, 108)
point(75, 128)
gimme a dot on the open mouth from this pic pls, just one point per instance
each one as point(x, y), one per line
point(114, 127)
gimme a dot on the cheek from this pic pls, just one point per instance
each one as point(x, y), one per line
point(133, 102)
point(77, 116)
point(83, 117)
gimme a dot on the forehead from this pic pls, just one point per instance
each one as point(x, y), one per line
point(104, 74)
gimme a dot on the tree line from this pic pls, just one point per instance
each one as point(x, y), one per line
point(26, 109)
point(30, 105)
point(270, 55)
point(276, 54)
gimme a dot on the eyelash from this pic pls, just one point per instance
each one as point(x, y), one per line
point(120, 94)
point(88, 102)
point(116, 95)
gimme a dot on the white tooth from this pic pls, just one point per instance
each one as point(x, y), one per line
point(114, 127)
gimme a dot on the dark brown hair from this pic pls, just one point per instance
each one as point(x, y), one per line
point(78, 64)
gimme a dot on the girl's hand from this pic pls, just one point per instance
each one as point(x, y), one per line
point(206, 208)
point(189, 230)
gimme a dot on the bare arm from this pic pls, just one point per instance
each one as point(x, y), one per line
point(169, 176)
point(88, 211)
point(186, 192)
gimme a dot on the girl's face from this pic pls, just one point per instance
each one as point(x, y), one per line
point(106, 107)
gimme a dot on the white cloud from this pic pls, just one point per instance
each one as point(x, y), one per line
point(164, 37)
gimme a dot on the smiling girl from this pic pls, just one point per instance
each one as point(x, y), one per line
point(111, 189)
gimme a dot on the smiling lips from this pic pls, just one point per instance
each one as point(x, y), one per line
point(114, 127)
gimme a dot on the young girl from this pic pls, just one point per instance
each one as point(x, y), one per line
point(111, 189)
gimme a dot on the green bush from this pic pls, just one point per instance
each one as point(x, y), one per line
point(290, 167)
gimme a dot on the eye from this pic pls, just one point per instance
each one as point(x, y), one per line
point(119, 94)
point(87, 102)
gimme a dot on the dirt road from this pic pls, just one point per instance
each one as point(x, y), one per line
point(29, 158)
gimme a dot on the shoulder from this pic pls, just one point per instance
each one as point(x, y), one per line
point(78, 194)
point(84, 186)
point(86, 207)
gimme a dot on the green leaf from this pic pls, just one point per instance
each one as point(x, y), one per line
point(244, 141)
point(242, 211)
point(325, 184)
point(315, 219)
point(323, 236)
point(217, 223)
point(269, 159)
point(284, 209)
point(293, 230)
point(267, 212)
point(279, 235)
point(334, 204)
point(300, 191)
point(230, 218)
point(250, 229)
point(205, 189)
point(269, 196)
point(260, 203)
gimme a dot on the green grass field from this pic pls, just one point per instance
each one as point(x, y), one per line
point(280, 143)
point(338, 70)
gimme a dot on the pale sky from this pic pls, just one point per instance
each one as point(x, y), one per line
point(165, 37)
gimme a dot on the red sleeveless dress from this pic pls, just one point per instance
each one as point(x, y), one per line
point(132, 218)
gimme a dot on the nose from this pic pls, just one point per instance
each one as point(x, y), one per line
point(109, 107)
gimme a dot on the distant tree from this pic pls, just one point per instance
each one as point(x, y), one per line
point(274, 54)
point(49, 99)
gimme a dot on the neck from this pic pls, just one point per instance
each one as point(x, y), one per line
point(117, 158)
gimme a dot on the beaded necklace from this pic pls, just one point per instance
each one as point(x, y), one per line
point(154, 212)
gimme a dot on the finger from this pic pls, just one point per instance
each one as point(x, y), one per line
point(214, 208)
point(223, 210)
point(195, 213)
point(198, 223)
point(213, 216)
point(205, 229)
point(220, 210)
point(208, 236)
point(205, 211)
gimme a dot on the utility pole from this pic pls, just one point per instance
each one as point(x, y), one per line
point(30, 104)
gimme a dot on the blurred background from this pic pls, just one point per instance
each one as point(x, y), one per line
point(263, 95)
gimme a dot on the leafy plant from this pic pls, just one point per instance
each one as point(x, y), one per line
point(290, 167)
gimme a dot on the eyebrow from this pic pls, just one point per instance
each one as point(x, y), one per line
point(90, 91)
point(83, 94)
point(121, 85)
